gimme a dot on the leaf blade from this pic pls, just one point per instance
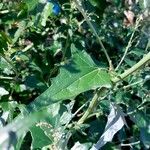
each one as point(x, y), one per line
point(80, 75)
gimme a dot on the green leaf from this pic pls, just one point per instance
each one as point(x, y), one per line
point(5, 66)
point(49, 128)
point(31, 4)
point(47, 11)
point(16, 129)
point(99, 5)
point(4, 40)
point(20, 31)
point(137, 52)
point(79, 75)
point(142, 121)
point(129, 62)
point(93, 2)
point(39, 138)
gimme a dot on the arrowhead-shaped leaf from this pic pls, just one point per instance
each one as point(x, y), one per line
point(80, 74)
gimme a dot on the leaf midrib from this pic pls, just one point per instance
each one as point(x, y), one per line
point(85, 74)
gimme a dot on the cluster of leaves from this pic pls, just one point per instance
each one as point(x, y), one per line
point(52, 63)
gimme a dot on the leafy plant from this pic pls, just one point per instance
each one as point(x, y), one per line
point(74, 74)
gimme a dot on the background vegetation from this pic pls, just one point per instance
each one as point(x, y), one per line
point(74, 74)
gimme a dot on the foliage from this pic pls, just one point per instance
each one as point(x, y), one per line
point(74, 74)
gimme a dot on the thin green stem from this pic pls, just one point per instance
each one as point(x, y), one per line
point(133, 84)
point(79, 109)
point(130, 144)
point(134, 68)
point(148, 45)
point(129, 43)
point(78, 5)
point(66, 46)
point(6, 78)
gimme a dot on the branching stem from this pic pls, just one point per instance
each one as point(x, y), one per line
point(134, 68)
point(98, 94)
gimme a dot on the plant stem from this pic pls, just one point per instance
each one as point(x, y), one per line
point(103, 90)
point(130, 144)
point(129, 43)
point(6, 78)
point(92, 105)
point(65, 48)
point(133, 84)
point(78, 5)
point(134, 68)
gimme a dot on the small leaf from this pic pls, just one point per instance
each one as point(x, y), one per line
point(94, 2)
point(129, 62)
point(137, 52)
